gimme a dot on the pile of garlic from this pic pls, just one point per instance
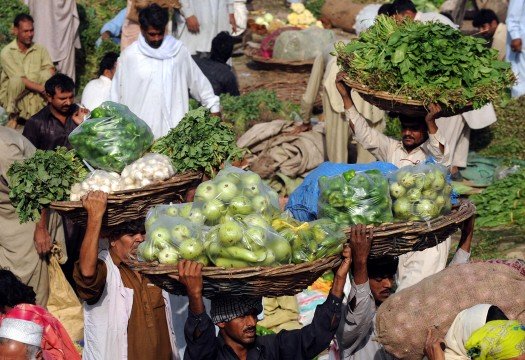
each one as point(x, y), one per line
point(149, 169)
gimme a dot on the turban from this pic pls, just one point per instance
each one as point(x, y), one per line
point(23, 331)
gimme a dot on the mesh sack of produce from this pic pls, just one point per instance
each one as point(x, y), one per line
point(355, 198)
point(171, 238)
point(105, 181)
point(234, 193)
point(310, 240)
point(420, 192)
point(235, 243)
point(403, 320)
point(112, 137)
point(302, 44)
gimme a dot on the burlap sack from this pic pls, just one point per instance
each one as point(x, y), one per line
point(341, 13)
point(402, 321)
point(133, 12)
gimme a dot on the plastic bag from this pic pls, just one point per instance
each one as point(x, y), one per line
point(355, 198)
point(235, 243)
point(420, 192)
point(302, 44)
point(149, 169)
point(107, 182)
point(112, 137)
point(234, 193)
point(311, 240)
point(171, 238)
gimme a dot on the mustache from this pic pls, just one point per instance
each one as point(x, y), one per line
point(249, 329)
point(406, 137)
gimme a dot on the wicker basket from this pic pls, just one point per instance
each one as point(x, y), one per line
point(398, 103)
point(130, 205)
point(399, 238)
point(251, 281)
point(253, 54)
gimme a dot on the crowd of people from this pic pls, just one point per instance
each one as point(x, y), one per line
point(165, 61)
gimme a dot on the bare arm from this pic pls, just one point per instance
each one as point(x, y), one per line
point(33, 86)
point(41, 236)
point(430, 119)
point(95, 205)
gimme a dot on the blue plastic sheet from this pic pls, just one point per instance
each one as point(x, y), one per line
point(303, 201)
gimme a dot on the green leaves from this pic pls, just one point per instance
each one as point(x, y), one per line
point(429, 62)
point(199, 142)
point(42, 179)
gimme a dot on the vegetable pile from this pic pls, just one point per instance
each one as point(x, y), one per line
point(428, 62)
point(42, 179)
point(420, 192)
point(302, 17)
point(257, 106)
point(199, 142)
point(355, 198)
point(502, 203)
point(112, 137)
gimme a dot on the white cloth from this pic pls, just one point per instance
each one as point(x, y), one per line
point(213, 17)
point(56, 28)
point(26, 332)
point(154, 83)
point(96, 92)
point(241, 16)
point(432, 16)
point(456, 131)
point(516, 28)
point(366, 17)
point(464, 325)
point(106, 322)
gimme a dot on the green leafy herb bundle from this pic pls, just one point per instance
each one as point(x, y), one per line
point(41, 179)
point(502, 203)
point(199, 142)
point(428, 62)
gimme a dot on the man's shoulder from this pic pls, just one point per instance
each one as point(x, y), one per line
point(43, 115)
point(8, 48)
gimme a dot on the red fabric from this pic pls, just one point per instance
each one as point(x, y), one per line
point(56, 343)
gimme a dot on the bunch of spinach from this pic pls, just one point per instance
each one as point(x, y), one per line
point(429, 62)
point(253, 107)
point(502, 203)
point(45, 177)
point(199, 142)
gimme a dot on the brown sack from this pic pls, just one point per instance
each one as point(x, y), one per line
point(403, 320)
point(137, 5)
point(341, 13)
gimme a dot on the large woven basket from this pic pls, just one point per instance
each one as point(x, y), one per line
point(131, 205)
point(397, 103)
point(276, 281)
point(399, 238)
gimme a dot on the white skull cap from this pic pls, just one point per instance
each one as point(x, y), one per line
point(23, 331)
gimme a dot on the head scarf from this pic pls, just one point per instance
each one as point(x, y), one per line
point(26, 332)
point(224, 309)
point(497, 340)
point(56, 343)
point(464, 325)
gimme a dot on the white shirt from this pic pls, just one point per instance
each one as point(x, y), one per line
point(157, 89)
point(516, 28)
point(96, 92)
point(432, 16)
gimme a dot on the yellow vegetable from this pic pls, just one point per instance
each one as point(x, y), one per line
point(297, 7)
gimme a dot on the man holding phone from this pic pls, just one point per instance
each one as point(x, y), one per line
point(50, 127)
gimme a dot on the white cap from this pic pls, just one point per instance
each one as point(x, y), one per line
point(23, 331)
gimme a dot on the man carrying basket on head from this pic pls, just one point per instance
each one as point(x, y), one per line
point(421, 139)
point(236, 318)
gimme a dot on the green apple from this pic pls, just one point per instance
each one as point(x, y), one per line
point(406, 179)
point(440, 201)
point(227, 190)
point(427, 209)
point(206, 191)
point(282, 250)
point(429, 194)
point(240, 205)
point(185, 210)
point(397, 190)
point(151, 220)
point(255, 220)
point(197, 217)
point(414, 194)
point(402, 208)
point(250, 178)
point(270, 258)
point(180, 232)
point(169, 256)
point(230, 233)
point(161, 237)
point(256, 235)
point(251, 191)
point(147, 251)
point(213, 209)
point(191, 249)
point(234, 177)
point(260, 203)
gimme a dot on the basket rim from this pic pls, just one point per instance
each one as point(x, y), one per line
point(251, 53)
point(177, 179)
point(361, 88)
